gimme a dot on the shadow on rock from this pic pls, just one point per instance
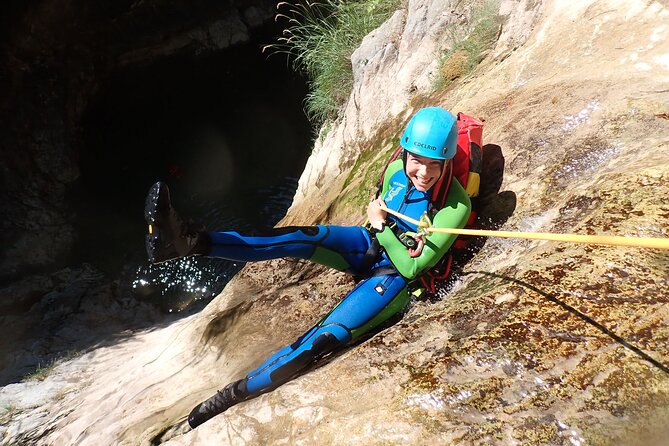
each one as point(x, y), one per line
point(218, 329)
point(61, 315)
point(491, 208)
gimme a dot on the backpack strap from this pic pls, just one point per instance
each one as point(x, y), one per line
point(440, 189)
point(439, 272)
point(371, 255)
point(468, 158)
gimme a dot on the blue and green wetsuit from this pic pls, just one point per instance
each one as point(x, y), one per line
point(382, 294)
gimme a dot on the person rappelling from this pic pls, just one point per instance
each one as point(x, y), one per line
point(422, 206)
point(389, 253)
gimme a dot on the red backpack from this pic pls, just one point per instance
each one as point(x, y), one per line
point(466, 167)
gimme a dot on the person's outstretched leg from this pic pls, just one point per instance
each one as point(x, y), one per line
point(340, 247)
point(368, 305)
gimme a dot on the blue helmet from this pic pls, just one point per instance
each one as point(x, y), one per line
point(432, 132)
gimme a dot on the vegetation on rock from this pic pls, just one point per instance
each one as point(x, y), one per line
point(321, 36)
point(471, 41)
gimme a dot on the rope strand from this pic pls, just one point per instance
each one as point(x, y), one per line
point(638, 242)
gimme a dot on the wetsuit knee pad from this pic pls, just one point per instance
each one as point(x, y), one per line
point(339, 331)
point(325, 340)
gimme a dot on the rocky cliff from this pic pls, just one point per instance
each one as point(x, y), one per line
point(537, 343)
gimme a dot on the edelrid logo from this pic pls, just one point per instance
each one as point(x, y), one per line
point(424, 146)
point(392, 193)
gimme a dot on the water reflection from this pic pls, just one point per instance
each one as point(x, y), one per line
point(180, 283)
point(191, 282)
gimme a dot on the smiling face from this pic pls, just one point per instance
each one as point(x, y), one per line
point(423, 171)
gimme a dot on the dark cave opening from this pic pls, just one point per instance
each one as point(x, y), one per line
point(226, 131)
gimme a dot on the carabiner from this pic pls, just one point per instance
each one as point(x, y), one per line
point(425, 223)
point(420, 242)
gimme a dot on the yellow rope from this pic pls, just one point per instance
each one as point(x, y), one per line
point(640, 242)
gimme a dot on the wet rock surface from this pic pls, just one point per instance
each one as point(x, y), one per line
point(54, 317)
point(537, 343)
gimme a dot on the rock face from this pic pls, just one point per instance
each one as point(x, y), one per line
point(60, 315)
point(402, 54)
point(537, 343)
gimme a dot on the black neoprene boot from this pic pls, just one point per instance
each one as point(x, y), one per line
point(233, 393)
point(169, 236)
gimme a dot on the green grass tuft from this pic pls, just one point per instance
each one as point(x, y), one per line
point(320, 36)
point(471, 42)
point(9, 409)
point(42, 372)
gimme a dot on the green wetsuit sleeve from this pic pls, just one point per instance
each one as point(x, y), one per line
point(454, 215)
point(390, 171)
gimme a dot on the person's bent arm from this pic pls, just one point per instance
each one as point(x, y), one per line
point(376, 215)
point(454, 215)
